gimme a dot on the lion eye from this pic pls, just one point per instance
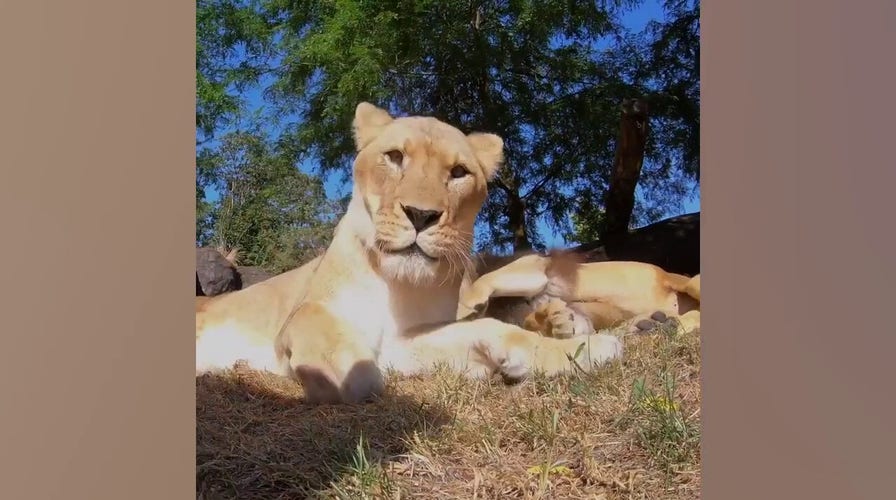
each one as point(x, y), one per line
point(395, 156)
point(459, 171)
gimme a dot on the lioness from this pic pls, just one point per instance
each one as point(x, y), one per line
point(593, 295)
point(385, 292)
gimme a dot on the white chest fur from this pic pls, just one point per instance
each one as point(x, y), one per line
point(412, 307)
point(388, 312)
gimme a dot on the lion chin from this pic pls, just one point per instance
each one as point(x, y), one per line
point(412, 265)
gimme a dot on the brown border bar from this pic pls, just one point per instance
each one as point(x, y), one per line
point(96, 209)
point(797, 193)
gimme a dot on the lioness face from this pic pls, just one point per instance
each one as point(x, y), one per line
point(423, 182)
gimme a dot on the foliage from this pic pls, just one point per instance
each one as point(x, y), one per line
point(232, 43)
point(275, 214)
point(672, 68)
point(526, 70)
point(548, 76)
point(587, 222)
point(669, 434)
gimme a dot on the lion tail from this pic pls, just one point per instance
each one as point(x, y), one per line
point(562, 270)
point(232, 255)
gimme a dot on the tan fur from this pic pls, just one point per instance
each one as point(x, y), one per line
point(607, 293)
point(374, 300)
point(555, 318)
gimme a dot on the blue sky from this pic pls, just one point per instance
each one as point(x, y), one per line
point(635, 20)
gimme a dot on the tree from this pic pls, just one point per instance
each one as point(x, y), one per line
point(548, 76)
point(231, 43)
point(276, 215)
point(664, 64)
point(620, 197)
point(672, 72)
point(526, 70)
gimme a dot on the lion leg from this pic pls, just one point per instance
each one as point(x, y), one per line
point(486, 346)
point(222, 346)
point(328, 358)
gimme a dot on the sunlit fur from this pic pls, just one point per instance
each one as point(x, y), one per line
point(429, 150)
point(604, 294)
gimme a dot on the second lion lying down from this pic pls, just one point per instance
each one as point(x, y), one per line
point(561, 295)
point(385, 293)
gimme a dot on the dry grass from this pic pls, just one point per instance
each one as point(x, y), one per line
point(629, 430)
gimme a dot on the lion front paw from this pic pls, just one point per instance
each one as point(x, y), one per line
point(325, 385)
point(567, 323)
point(555, 318)
point(514, 369)
point(578, 353)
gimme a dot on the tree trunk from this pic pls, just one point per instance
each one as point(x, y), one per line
point(620, 199)
point(516, 217)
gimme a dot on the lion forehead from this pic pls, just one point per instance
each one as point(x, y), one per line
point(427, 136)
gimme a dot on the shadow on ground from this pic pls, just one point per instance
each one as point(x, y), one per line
point(257, 438)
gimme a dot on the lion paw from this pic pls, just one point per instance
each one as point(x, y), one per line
point(515, 367)
point(651, 323)
point(557, 319)
point(559, 356)
point(566, 323)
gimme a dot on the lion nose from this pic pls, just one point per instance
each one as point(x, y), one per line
point(421, 219)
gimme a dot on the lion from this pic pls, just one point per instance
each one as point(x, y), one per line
point(385, 294)
point(590, 295)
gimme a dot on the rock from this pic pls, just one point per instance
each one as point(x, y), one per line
point(250, 275)
point(672, 244)
point(214, 273)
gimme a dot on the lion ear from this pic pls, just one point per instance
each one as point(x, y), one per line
point(489, 150)
point(369, 123)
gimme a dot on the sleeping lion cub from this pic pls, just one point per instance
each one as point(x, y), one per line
point(385, 292)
